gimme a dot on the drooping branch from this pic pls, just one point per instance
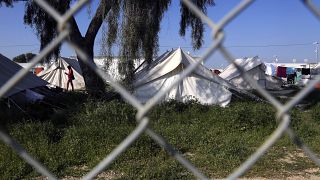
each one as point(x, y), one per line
point(43, 24)
point(188, 19)
point(140, 25)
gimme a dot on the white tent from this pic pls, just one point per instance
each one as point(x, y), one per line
point(255, 69)
point(9, 69)
point(201, 84)
point(55, 73)
point(111, 66)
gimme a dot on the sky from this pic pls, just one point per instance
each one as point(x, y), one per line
point(270, 29)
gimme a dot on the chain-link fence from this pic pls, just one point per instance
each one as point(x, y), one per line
point(218, 35)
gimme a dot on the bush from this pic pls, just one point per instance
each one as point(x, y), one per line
point(250, 115)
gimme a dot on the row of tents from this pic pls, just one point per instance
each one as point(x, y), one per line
point(150, 79)
point(256, 69)
point(24, 88)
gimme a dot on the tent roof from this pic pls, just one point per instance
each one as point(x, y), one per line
point(73, 63)
point(144, 65)
point(247, 64)
point(55, 73)
point(9, 69)
point(200, 84)
point(170, 61)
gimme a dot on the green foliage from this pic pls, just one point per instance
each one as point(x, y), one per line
point(188, 19)
point(8, 3)
point(315, 112)
point(72, 140)
point(24, 58)
point(138, 23)
point(44, 25)
point(249, 115)
point(135, 23)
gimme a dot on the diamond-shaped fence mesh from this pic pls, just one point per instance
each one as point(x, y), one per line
point(218, 35)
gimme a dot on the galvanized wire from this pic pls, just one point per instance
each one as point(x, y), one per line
point(282, 116)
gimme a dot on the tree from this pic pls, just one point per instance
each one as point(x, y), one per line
point(24, 58)
point(6, 2)
point(9, 3)
point(140, 27)
point(138, 30)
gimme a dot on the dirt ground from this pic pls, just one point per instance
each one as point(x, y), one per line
point(290, 158)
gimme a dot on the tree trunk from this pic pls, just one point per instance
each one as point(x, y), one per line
point(95, 85)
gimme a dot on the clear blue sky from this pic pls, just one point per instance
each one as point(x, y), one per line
point(265, 22)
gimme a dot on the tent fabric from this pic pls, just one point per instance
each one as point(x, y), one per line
point(255, 68)
point(247, 64)
point(33, 96)
point(55, 73)
point(111, 66)
point(144, 64)
point(9, 69)
point(201, 84)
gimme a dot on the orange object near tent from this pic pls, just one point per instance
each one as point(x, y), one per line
point(317, 86)
point(37, 70)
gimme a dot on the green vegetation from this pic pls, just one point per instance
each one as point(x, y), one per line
point(24, 58)
point(72, 139)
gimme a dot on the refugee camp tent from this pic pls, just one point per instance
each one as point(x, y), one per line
point(55, 73)
point(29, 81)
point(201, 84)
point(144, 65)
point(256, 69)
point(111, 66)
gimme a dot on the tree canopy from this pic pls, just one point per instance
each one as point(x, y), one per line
point(24, 58)
point(6, 2)
point(131, 24)
point(136, 23)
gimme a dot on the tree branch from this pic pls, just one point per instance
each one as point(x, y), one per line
point(96, 22)
point(75, 34)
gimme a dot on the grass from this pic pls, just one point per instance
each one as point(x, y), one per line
point(72, 139)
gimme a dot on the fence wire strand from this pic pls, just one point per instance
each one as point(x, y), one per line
point(282, 116)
